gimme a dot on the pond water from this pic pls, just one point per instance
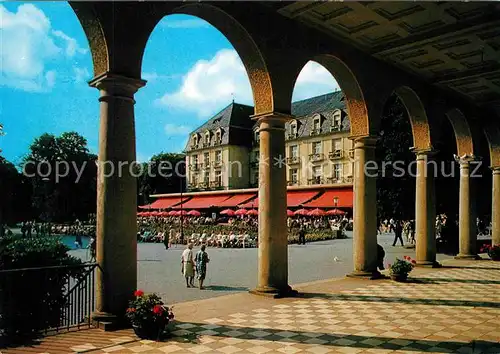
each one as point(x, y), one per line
point(69, 241)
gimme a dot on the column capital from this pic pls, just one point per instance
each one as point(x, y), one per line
point(429, 152)
point(270, 117)
point(466, 159)
point(495, 170)
point(366, 142)
point(117, 84)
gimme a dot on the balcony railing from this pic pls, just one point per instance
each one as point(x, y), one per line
point(292, 136)
point(316, 131)
point(334, 155)
point(316, 157)
point(215, 184)
point(203, 185)
point(206, 144)
point(335, 180)
point(315, 180)
point(293, 160)
point(206, 164)
point(194, 166)
point(217, 142)
point(351, 154)
point(217, 163)
point(335, 128)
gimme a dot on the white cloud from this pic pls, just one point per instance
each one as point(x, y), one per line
point(27, 44)
point(154, 76)
point(313, 80)
point(173, 129)
point(188, 23)
point(211, 84)
point(71, 44)
point(81, 74)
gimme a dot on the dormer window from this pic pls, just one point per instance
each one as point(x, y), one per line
point(218, 136)
point(207, 138)
point(194, 140)
point(337, 120)
point(293, 129)
point(316, 124)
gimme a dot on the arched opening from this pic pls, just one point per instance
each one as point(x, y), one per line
point(202, 90)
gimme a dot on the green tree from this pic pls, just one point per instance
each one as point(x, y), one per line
point(164, 173)
point(62, 173)
point(395, 194)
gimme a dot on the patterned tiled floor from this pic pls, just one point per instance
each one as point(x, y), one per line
point(450, 310)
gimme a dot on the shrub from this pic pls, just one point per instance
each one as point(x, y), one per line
point(33, 300)
point(402, 266)
point(148, 308)
point(493, 251)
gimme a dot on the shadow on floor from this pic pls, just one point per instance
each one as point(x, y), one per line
point(193, 334)
point(448, 280)
point(226, 288)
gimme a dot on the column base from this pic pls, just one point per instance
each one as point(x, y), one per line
point(274, 293)
point(107, 321)
point(473, 257)
point(366, 275)
point(428, 264)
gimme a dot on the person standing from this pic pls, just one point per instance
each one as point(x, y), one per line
point(398, 232)
point(187, 265)
point(302, 235)
point(201, 259)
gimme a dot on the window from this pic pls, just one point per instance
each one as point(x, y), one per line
point(294, 151)
point(316, 147)
point(317, 125)
point(293, 129)
point(206, 177)
point(194, 180)
point(195, 159)
point(195, 140)
point(218, 136)
point(317, 174)
point(337, 120)
point(294, 175)
point(337, 144)
point(337, 172)
point(206, 158)
point(207, 138)
point(218, 156)
point(256, 136)
point(218, 178)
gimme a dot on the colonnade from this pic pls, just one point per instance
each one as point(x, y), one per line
point(116, 211)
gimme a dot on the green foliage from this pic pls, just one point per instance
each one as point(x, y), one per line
point(33, 300)
point(402, 266)
point(54, 197)
point(146, 309)
point(16, 192)
point(395, 193)
point(160, 175)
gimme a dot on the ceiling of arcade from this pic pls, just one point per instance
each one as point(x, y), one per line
point(451, 44)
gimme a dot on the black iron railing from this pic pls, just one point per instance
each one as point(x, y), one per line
point(64, 299)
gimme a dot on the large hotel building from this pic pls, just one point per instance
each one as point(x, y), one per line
point(222, 158)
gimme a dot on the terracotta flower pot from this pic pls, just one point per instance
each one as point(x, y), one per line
point(399, 277)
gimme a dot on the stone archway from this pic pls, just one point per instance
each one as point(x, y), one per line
point(463, 135)
point(492, 133)
point(244, 45)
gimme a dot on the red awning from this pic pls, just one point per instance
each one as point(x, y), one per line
point(296, 198)
point(203, 201)
point(293, 199)
point(236, 200)
point(164, 203)
point(327, 200)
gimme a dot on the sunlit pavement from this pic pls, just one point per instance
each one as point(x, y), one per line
point(455, 309)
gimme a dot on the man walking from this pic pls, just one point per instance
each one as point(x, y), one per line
point(201, 259)
point(187, 265)
point(398, 232)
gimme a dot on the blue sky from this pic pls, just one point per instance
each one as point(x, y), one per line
point(191, 68)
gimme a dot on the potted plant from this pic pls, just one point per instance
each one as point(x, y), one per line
point(400, 269)
point(149, 315)
point(493, 251)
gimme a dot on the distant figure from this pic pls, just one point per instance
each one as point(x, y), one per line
point(92, 248)
point(380, 257)
point(302, 235)
point(201, 260)
point(187, 266)
point(398, 233)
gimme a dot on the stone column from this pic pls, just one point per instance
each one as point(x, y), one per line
point(116, 277)
point(495, 210)
point(466, 211)
point(273, 233)
point(365, 209)
point(425, 210)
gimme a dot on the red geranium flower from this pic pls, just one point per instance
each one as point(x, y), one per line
point(158, 309)
point(414, 262)
point(138, 293)
point(131, 309)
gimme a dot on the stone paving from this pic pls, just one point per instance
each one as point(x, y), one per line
point(455, 309)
